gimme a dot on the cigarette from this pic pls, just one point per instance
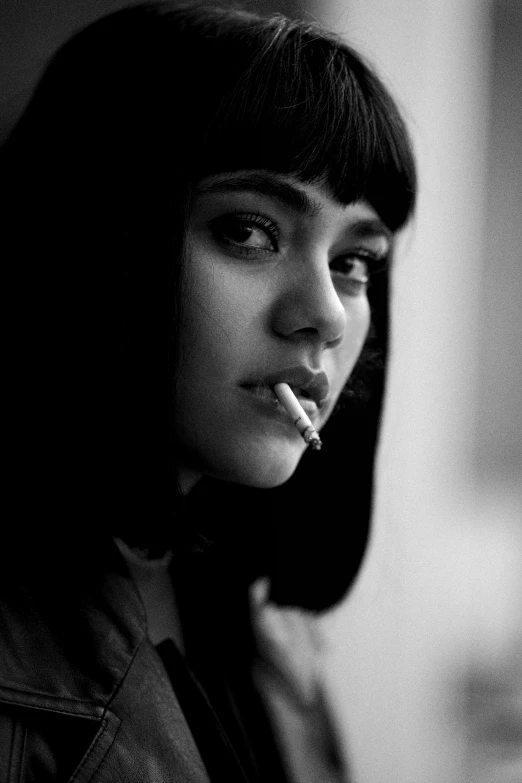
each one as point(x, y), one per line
point(292, 406)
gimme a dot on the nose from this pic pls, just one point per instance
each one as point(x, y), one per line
point(309, 306)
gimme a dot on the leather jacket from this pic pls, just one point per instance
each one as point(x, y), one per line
point(83, 694)
point(86, 698)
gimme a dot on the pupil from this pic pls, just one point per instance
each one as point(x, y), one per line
point(242, 233)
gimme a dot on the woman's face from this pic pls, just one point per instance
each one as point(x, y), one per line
point(275, 290)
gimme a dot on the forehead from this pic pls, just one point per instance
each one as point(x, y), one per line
point(306, 199)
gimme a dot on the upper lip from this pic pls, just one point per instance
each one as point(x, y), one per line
point(301, 379)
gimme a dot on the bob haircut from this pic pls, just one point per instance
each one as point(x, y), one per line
point(97, 181)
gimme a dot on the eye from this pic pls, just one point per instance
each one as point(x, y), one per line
point(353, 271)
point(246, 234)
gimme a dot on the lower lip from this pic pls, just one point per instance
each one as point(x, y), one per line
point(267, 398)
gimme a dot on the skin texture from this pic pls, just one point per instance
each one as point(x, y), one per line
point(267, 288)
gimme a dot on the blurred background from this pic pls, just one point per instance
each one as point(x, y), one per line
point(425, 660)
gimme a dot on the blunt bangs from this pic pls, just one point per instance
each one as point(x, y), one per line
point(298, 101)
point(187, 91)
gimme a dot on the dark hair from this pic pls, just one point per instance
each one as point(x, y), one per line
point(96, 183)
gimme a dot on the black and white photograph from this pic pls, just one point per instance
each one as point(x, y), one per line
point(262, 306)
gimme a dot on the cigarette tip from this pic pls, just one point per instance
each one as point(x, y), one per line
point(312, 438)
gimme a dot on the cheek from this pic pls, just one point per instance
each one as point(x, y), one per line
point(220, 310)
point(363, 325)
point(358, 325)
point(203, 307)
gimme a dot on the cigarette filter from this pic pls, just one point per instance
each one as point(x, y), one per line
point(294, 409)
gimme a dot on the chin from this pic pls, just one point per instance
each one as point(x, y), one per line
point(263, 468)
point(267, 480)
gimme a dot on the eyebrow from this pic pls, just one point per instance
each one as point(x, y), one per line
point(290, 196)
point(265, 185)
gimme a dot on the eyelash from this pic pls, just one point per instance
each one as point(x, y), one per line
point(246, 219)
point(374, 262)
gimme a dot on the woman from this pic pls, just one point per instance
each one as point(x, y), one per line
point(201, 204)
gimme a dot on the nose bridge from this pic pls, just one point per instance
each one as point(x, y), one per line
point(310, 303)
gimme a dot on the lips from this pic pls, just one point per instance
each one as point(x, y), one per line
point(303, 381)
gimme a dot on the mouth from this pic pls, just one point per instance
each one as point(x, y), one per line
point(311, 388)
point(265, 395)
